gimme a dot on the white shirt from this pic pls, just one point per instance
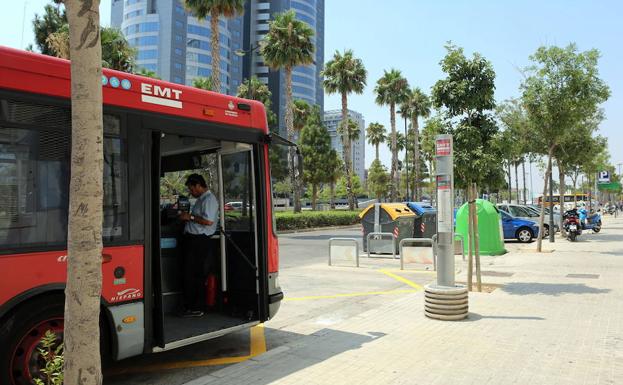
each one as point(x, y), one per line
point(205, 207)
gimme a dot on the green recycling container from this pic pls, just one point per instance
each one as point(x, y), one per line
point(489, 227)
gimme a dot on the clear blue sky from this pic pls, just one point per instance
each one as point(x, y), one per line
point(409, 35)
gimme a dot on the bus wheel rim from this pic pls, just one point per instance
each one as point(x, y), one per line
point(26, 359)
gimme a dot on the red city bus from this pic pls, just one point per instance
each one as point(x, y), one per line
point(155, 134)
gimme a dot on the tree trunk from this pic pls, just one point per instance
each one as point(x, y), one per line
point(417, 194)
point(476, 238)
point(517, 181)
point(332, 195)
point(470, 238)
point(561, 178)
point(216, 51)
point(84, 238)
point(510, 184)
point(539, 239)
point(395, 185)
point(290, 128)
point(377, 151)
point(314, 196)
point(523, 170)
point(346, 146)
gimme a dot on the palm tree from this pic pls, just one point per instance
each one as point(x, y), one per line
point(416, 105)
point(345, 74)
point(287, 44)
point(215, 9)
point(84, 243)
point(147, 73)
point(390, 90)
point(376, 136)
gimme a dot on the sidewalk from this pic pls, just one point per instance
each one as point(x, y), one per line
point(539, 327)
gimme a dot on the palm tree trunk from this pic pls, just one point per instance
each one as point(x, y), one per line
point(377, 151)
point(416, 160)
point(539, 239)
point(395, 185)
point(84, 238)
point(294, 178)
point(346, 147)
point(216, 51)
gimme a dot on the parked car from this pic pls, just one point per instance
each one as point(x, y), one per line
point(530, 214)
point(520, 229)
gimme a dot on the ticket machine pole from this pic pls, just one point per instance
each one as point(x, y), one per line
point(445, 300)
point(444, 174)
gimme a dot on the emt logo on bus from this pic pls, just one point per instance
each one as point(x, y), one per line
point(163, 96)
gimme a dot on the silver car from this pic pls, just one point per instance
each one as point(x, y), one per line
point(531, 214)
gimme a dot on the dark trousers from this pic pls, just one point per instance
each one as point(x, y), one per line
point(198, 262)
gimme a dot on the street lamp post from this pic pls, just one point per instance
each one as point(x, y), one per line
point(407, 160)
point(242, 53)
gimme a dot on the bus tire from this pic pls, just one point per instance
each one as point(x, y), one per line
point(21, 335)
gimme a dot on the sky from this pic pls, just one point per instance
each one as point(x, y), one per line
point(409, 35)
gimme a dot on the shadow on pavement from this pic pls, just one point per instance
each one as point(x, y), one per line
point(555, 289)
point(477, 317)
point(319, 237)
point(306, 352)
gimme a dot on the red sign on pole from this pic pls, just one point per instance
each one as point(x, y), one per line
point(444, 147)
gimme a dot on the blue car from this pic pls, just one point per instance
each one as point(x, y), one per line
point(520, 229)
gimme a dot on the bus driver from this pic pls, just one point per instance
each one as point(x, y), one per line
point(200, 225)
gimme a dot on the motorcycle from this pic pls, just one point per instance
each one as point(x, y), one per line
point(592, 222)
point(572, 224)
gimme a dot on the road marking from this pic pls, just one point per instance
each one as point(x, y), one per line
point(361, 294)
point(258, 347)
point(402, 279)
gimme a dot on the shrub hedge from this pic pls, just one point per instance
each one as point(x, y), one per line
point(287, 220)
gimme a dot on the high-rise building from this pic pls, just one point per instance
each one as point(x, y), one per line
point(306, 81)
point(176, 46)
point(332, 120)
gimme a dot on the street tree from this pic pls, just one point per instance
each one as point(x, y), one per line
point(345, 74)
point(203, 83)
point(201, 9)
point(432, 127)
point(391, 90)
point(515, 139)
point(376, 135)
point(289, 43)
point(466, 96)
point(53, 19)
point(315, 145)
point(81, 334)
point(378, 180)
point(417, 105)
point(562, 88)
point(302, 111)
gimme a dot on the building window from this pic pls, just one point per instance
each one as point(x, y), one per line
point(147, 54)
point(130, 2)
point(132, 14)
point(143, 41)
point(141, 27)
point(178, 52)
point(179, 38)
point(177, 66)
point(178, 80)
point(179, 24)
point(179, 9)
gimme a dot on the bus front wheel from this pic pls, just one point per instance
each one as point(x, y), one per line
point(20, 340)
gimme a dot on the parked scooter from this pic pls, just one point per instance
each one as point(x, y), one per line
point(572, 225)
point(592, 222)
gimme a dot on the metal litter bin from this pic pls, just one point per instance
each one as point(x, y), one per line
point(425, 223)
point(394, 218)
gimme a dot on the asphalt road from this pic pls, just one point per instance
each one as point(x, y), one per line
point(316, 296)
